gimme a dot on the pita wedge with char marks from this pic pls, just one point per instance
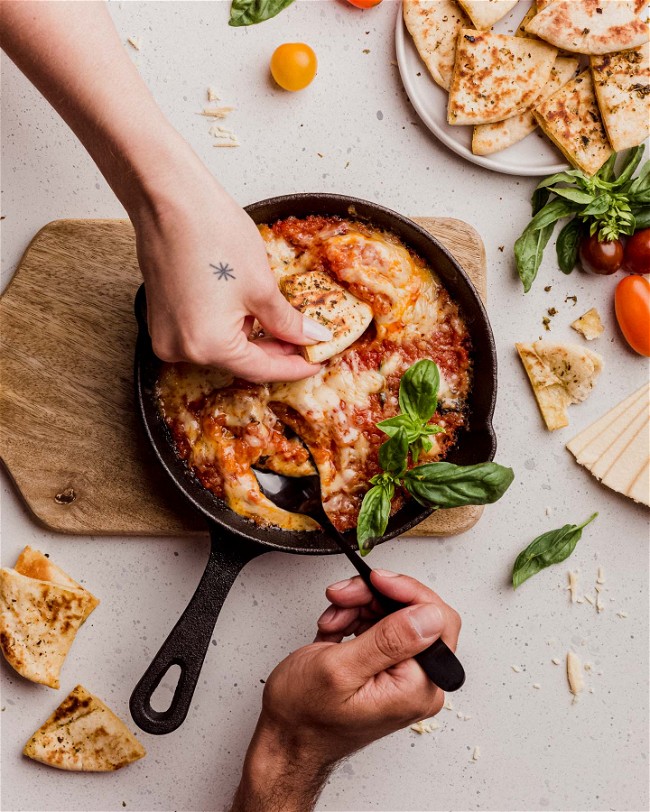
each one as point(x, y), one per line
point(484, 13)
point(622, 85)
point(434, 26)
point(496, 76)
point(571, 119)
point(490, 138)
point(40, 617)
point(560, 374)
point(318, 296)
point(84, 735)
point(590, 26)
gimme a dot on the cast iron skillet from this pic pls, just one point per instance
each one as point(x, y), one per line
point(236, 540)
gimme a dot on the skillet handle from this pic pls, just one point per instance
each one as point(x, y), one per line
point(188, 641)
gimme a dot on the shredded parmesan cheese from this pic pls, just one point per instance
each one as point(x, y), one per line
point(516, 669)
point(601, 576)
point(589, 599)
point(134, 42)
point(221, 132)
point(622, 614)
point(600, 606)
point(536, 685)
point(425, 727)
point(556, 661)
point(216, 112)
point(476, 754)
point(573, 585)
point(448, 705)
point(574, 674)
point(212, 95)
point(227, 144)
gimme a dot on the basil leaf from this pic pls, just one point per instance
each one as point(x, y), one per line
point(373, 517)
point(529, 250)
point(539, 199)
point(567, 245)
point(250, 12)
point(551, 213)
point(642, 180)
point(600, 205)
point(422, 444)
point(574, 195)
point(418, 390)
point(547, 549)
point(630, 162)
point(444, 485)
point(606, 171)
point(570, 176)
point(393, 454)
point(642, 218)
point(641, 196)
point(401, 421)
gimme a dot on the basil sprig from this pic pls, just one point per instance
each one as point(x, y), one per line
point(605, 204)
point(434, 484)
point(250, 12)
point(547, 549)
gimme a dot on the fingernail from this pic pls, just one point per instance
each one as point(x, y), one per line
point(341, 584)
point(328, 615)
point(315, 330)
point(426, 619)
point(388, 573)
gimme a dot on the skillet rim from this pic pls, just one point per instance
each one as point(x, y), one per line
point(271, 209)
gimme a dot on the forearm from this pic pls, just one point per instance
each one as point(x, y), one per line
point(279, 774)
point(72, 53)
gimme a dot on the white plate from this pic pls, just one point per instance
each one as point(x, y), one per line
point(534, 155)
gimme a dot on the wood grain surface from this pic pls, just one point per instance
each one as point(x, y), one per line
point(69, 434)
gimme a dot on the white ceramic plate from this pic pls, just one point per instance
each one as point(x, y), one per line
point(534, 156)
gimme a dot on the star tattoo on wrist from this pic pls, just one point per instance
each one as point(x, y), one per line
point(223, 271)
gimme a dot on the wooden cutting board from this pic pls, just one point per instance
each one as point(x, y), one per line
point(69, 434)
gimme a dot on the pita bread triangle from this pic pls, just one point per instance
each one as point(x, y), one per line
point(38, 623)
point(434, 26)
point(490, 138)
point(83, 734)
point(560, 374)
point(484, 13)
point(590, 26)
point(496, 76)
point(622, 85)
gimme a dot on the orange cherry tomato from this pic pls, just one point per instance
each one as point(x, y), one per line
point(364, 3)
point(632, 303)
point(293, 65)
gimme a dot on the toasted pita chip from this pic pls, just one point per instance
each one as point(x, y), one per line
point(489, 138)
point(38, 623)
point(570, 118)
point(496, 76)
point(590, 26)
point(589, 324)
point(34, 564)
point(83, 734)
point(541, 4)
point(318, 296)
point(560, 374)
point(616, 448)
point(434, 26)
point(484, 13)
point(622, 85)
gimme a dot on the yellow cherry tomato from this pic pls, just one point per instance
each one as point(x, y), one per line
point(293, 65)
point(364, 3)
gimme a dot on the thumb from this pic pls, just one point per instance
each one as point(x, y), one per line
point(281, 320)
point(394, 639)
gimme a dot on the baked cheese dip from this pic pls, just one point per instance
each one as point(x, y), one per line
point(223, 427)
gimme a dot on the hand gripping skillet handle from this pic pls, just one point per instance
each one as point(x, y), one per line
point(188, 641)
point(438, 661)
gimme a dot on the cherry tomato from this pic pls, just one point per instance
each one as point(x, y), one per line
point(637, 252)
point(632, 303)
point(364, 3)
point(293, 65)
point(600, 257)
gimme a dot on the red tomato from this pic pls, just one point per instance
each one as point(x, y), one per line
point(632, 303)
point(637, 252)
point(364, 3)
point(600, 257)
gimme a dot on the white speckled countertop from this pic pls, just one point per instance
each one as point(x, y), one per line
point(538, 751)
